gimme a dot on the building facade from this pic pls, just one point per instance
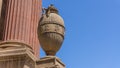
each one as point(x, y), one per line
point(19, 45)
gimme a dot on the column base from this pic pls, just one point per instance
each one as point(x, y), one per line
point(17, 58)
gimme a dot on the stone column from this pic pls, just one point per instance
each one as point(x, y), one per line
point(0, 7)
point(20, 21)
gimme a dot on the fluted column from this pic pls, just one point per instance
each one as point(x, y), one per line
point(21, 21)
point(0, 7)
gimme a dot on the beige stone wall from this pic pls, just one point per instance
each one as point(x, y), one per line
point(16, 56)
point(17, 62)
point(12, 63)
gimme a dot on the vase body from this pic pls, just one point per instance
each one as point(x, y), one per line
point(51, 33)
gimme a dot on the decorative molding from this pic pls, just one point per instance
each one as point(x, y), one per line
point(49, 62)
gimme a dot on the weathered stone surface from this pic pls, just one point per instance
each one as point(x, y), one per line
point(19, 46)
point(19, 55)
point(51, 31)
point(0, 7)
point(49, 62)
point(19, 22)
point(17, 58)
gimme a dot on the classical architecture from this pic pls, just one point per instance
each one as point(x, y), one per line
point(22, 27)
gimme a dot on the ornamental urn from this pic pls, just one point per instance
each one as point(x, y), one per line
point(51, 31)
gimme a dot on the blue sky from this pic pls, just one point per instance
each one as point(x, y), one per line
point(92, 37)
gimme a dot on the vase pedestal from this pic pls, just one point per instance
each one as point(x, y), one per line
point(49, 62)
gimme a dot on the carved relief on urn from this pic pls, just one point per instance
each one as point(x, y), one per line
point(51, 31)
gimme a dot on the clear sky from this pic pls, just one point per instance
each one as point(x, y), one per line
point(92, 37)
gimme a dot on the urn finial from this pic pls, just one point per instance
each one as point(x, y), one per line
point(50, 9)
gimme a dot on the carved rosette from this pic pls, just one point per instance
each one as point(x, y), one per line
point(51, 31)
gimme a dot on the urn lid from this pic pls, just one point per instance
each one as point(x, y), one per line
point(51, 16)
